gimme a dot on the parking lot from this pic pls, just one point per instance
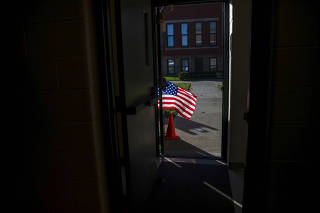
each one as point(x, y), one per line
point(201, 135)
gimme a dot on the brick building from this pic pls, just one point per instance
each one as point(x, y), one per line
point(191, 40)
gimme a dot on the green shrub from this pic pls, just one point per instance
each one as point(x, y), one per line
point(185, 86)
point(184, 76)
point(167, 112)
point(172, 78)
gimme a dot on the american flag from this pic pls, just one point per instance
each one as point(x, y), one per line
point(183, 101)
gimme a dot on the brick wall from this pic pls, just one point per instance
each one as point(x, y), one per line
point(191, 14)
point(192, 58)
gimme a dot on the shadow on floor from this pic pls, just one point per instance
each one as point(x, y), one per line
point(184, 188)
point(187, 125)
point(181, 148)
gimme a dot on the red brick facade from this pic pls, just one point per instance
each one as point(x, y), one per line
point(192, 14)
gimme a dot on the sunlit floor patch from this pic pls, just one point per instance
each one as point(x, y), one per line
point(200, 130)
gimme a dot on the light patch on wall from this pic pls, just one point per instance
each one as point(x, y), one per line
point(230, 59)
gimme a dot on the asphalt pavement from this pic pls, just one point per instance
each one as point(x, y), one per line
point(201, 135)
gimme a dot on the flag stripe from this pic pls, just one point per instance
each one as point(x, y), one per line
point(186, 99)
point(179, 111)
point(189, 94)
point(164, 99)
point(187, 91)
point(181, 107)
point(182, 99)
point(184, 114)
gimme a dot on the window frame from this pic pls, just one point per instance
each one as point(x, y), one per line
point(216, 66)
point(215, 33)
point(201, 33)
point(174, 66)
point(173, 35)
point(181, 64)
point(181, 35)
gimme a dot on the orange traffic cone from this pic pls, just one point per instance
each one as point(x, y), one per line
point(171, 132)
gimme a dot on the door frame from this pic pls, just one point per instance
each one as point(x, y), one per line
point(157, 76)
point(110, 65)
point(256, 172)
point(226, 52)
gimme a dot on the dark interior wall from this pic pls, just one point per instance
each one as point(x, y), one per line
point(59, 168)
point(280, 155)
point(295, 54)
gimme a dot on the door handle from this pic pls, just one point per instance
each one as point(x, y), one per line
point(146, 101)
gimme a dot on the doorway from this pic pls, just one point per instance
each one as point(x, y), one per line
point(178, 174)
point(192, 54)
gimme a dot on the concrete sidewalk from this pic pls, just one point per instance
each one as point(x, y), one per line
point(201, 135)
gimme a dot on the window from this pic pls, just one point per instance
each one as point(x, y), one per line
point(184, 35)
point(212, 64)
point(213, 33)
point(198, 34)
point(170, 35)
point(171, 66)
point(185, 65)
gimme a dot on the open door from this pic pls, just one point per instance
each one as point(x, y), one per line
point(193, 54)
point(137, 90)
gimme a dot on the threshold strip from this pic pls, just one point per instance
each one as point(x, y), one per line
point(171, 161)
point(221, 162)
point(198, 161)
point(223, 194)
